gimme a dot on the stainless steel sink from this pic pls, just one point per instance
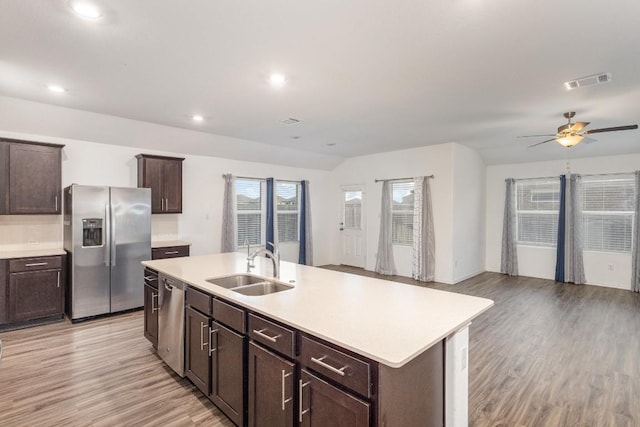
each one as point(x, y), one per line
point(263, 288)
point(235, 281)
point(248, 284)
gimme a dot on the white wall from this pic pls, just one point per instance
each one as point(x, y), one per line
point(604, 269)
point(92, 163)
point(435, 159)
point(468, 213)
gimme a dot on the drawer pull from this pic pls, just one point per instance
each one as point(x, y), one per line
point(301, 386)
point(172, 252)
point(260, 333)
point(321, 362)
point(35, 264)
point(285, 375)
point(150, 278)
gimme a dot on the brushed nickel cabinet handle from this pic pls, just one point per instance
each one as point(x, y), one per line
point(211, 332)
point(261, 333)
point(202, 343)
point(150, 278)
point(321, 362)
point(172, 252)
point(155, 307)
point(58, 279)
point(285, 375)
point(301, 386)
point(35, 264)
point(56, 199)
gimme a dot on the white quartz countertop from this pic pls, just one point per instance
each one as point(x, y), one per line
point(168, 243)
point(30, 253)
point(385, 321)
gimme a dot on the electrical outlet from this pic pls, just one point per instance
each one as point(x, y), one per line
point(33, 242)
point(610, 267)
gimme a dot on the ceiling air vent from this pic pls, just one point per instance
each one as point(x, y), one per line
point(290, 121)
point(588, 81)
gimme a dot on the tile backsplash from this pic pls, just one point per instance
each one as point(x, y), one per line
point(24, 232)
point(164, 227)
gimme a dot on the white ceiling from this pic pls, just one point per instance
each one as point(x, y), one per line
point(366, 75)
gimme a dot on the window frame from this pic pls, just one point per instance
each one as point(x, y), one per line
point(541, 212)
point(404, 212)
point(278, 212)
point(262, 212)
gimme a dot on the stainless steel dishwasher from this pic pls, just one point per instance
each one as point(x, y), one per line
point(171, 322)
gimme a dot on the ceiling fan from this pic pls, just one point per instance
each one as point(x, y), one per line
point(571, 134)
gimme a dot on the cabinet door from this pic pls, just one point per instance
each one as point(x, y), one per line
point(271, 386)
point(172, 186)
point(4, 291)
point(152, 178)
point(34, 294)
point(34, 179)
point(197, 360)
point(151, 314)
point(322, 404)
point(227, 372)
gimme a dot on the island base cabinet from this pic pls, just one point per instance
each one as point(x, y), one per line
point(151, 314)
point(197, 360)
point(321, 404)
point(227, 372)
point(271, 389)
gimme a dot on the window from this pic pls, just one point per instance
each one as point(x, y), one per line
point(537, 207)
point(402, 213)
point(607, 212)
point(287, 211)
point(352, 205)
point(250, 208)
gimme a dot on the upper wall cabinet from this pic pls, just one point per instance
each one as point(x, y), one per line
point(164, 176)
point(30, 177)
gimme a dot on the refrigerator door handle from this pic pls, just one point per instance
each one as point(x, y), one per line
point(113, 236)
point(107, 234)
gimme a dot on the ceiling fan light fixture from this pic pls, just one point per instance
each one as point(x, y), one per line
point(570, 140)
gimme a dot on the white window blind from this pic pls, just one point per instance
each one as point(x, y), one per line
point(537, 207)
point(607, 211)
point(250, 208)
point(287, 211)
point(402, 213)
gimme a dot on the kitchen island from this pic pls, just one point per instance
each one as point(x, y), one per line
point(399, 330)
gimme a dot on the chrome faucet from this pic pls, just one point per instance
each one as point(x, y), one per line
point(273, 256)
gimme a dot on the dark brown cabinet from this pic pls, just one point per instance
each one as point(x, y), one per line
point(4, 292)
point(35, 288)
point(164, 176)
point(322, 404)
point(215, 352)
point(151, 306)
point(197, 359)
point(170, 252)
point(270, 389)
point(30, 178)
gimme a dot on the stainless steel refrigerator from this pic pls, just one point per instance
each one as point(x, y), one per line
point(107, 233)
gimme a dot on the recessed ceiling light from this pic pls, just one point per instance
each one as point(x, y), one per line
point(277, 80)
point(85, 9)
point(56, 88)
point(197, 118)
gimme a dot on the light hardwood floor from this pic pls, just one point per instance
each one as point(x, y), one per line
point(545, 355)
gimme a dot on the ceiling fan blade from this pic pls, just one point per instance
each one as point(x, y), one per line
point(578, 126)
point(537, 136)
point(629, 127)
point(542, 142)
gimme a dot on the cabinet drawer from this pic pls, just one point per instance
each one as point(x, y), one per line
point(169, 252)
point(30, 264)
point(231, 316)
point(336, 365)
point(272, 336)
point(198, 300)
point(151, 278)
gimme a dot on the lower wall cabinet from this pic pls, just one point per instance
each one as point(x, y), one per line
point(35, 289)
point(151, 306)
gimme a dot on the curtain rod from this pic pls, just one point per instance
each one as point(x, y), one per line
point(586, 174)
point(263, 179)
point(401, 179)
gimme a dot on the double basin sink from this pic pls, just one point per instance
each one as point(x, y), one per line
point(248, 284)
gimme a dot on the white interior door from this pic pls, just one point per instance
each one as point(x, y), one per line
point(352, 226)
